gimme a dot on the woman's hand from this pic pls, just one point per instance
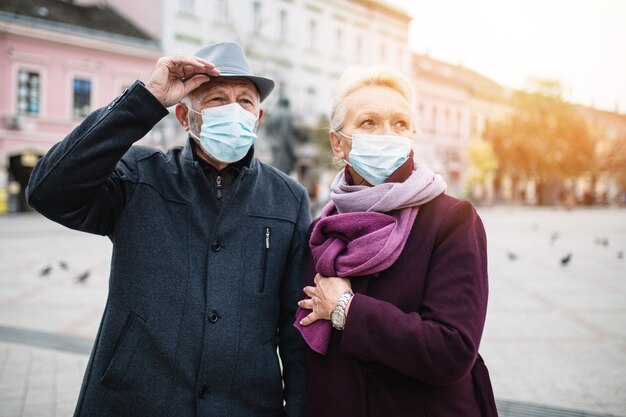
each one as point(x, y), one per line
point(324, 297)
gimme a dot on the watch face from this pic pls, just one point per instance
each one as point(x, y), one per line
point(337, 318)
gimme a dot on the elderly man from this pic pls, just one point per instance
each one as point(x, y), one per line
point(208, 246)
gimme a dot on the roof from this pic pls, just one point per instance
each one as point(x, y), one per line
point(97, 18)
point(386, 8)
point(478, 85)
point(606, 115)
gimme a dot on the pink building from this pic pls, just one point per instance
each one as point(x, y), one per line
point(58, 62)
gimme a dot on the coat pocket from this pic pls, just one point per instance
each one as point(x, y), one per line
point(124, 351)
point(266, 253)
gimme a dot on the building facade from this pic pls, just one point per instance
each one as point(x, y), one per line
point(54, 71)
point(63, 58)
point(303, 45)
point(606, 183)
point(454, 106)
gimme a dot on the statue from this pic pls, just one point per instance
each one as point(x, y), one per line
point(281, 132)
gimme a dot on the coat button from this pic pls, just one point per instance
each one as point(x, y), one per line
point(213, 317)
point(202, 393)
point(216, 246)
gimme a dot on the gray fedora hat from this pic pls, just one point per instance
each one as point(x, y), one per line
point(230, 59)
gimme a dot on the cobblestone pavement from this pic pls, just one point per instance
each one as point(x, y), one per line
point(555, 334)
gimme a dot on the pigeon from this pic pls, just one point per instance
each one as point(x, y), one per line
point(63, 265)
point(511, 255)
point(45, 271)
point(82, 278)
point(566, 259)
point(620, 255)
point(554, 237)
point(602, 241)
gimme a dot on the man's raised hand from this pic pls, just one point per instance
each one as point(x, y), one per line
point(173, 77)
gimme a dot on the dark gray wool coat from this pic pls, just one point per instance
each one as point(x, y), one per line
point(199, 299)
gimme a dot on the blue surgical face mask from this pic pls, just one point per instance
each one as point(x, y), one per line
point(376, 157)
point(227, 132)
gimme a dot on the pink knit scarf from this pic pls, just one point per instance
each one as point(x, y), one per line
point(362, 231)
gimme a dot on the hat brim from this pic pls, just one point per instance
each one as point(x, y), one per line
point(263, 85)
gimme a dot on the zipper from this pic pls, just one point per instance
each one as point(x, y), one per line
point(266, 251)
point(218, 190)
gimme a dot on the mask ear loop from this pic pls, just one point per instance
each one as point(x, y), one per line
point(195, 111)
point(347, 137)
point(193, 135)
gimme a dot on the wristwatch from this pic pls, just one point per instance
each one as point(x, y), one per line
point(338, 315)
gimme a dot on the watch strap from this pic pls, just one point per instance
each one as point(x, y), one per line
point(344, 299)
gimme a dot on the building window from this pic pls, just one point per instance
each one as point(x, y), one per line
point(256, 17)
point(433, 122)
point(28, 92)
point(383, 52)
point(187, 6)
point(446, 124)
point(82, 97)
point(359, 48)
point(459, 118)
point(338, 41)
point(420, 121)
point(312, 34)
point(222, 10)
point(283, 25)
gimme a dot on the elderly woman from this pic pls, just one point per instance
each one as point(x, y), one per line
point(397, 283)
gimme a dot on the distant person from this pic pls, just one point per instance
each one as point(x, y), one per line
point(397, 284)
point(569, 199)
point(282, 135)
point(208, 246)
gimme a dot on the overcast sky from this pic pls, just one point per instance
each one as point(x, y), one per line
point(582, 43)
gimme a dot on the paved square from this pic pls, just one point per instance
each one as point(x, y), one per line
point(555, 333)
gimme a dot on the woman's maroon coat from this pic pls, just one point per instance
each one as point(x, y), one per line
point(410, 344)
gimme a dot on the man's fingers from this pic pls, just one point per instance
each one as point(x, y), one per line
point(184, 60)
point(205, 62)
point(306, 304)
point(187, 66)
point(191, 60)
point(194, 82)
point(189, 71)
point(192, 65)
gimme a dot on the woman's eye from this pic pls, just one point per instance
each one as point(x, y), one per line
point(401, 124)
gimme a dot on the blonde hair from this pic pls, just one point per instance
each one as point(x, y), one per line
point(357, 77)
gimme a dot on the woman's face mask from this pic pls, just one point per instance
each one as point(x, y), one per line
point(227, 132)
point(376, 157)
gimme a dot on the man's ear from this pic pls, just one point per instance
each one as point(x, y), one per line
point(260, 115)
point(335, 145)
point(181, 115)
